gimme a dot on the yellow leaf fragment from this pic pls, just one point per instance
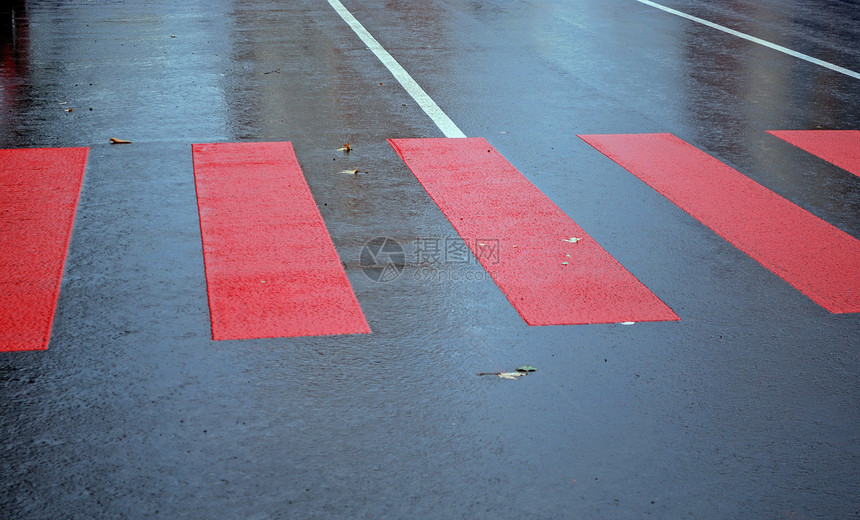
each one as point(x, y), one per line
point(345, 148)
point(572, 240)
point(114, 140)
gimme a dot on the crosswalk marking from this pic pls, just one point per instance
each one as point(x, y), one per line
point(839, 147)
point(551, 271)
point(272, 270)
point(271, 267)
point(39, 191)
point(815, 257)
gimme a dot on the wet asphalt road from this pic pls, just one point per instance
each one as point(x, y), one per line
point(746, 408)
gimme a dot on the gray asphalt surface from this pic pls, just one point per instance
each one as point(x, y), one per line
point(746, 408)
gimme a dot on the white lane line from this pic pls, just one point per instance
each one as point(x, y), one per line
point(759, 41)
point(449, 129)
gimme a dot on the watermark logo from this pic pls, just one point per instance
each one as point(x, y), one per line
point(382, 259)
point(447, 251)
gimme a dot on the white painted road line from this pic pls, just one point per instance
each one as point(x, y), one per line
point(753, 39)
point(448, 128)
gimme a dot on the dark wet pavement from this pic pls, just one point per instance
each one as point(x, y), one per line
point(746, 408)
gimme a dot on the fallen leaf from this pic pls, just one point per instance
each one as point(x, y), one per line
point(572, 240)
point(114, 140)
point(564, 263)
point(70, 109)
point(353, 171)
point(526, 368)
point(345, 148)
point(510, 375)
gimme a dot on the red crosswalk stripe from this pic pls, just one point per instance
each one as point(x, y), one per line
point(815, 257)
point(39, 192)
point(550, 269)
point(271, 267)
point(840, 147)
